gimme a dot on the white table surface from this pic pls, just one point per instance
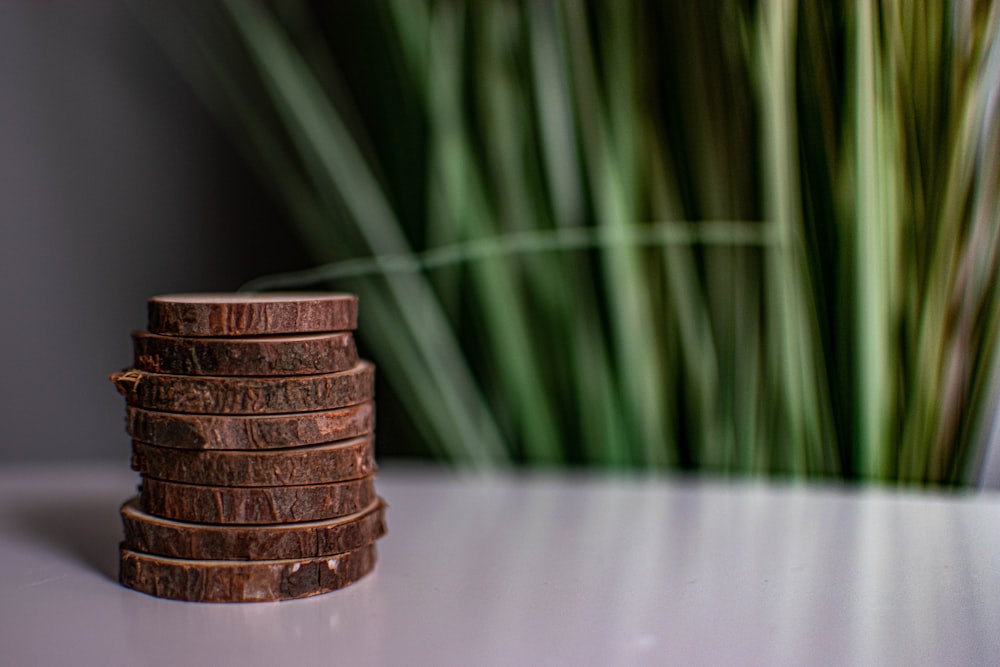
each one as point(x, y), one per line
point(536, 570)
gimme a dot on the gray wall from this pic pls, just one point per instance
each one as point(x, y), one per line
point(114, 185)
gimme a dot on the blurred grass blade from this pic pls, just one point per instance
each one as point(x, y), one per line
point(606, 158)
point(746, 238)
point(335, 159)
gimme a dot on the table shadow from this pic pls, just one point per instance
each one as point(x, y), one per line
point(86, 529)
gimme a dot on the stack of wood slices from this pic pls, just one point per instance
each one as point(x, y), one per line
point(252, 420)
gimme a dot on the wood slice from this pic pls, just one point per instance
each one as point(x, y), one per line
point(187, 431)
point(314, 464)
point(243, 581)
point(246, 396)
point(175, 539)
point(251, 314)
point(259, 504)
point(267, 355)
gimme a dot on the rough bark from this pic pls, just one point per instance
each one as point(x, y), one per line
point(243, 581)
point(186, 431)
point(313, 464)
point(261, 504)
point(269, 355)
point(246, 396)
point(174, 539)
point(251, 314)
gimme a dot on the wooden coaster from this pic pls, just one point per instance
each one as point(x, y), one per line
point(259, 504)
point(243, 581)
point(268, 355)
point(251, 314)
point(187, 431)
point(313, 464)
point(246, 396)
point(175, 539)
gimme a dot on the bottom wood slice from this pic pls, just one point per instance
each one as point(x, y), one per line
point(243, 581)
point(175, 539)
point(261, 504)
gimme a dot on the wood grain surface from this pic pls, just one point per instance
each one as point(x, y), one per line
point(313, 464)
point(175, 539)
point(190, 431)
point(307, 354)
point(259, 504)
point(251, 314)
point(246, 396)
point(243, 581)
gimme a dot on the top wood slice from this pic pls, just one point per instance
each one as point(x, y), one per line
point(252, 314)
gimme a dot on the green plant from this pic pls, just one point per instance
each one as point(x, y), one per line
point(722, 236)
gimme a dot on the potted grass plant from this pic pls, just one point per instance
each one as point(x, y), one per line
point(735, 237)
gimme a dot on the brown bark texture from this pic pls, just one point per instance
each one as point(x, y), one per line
point(260, 504)
point(243, 581)
point(269, 355)
point(187, 431)
point(295, 466)
point(251, 314)
point(246, 396)
point(175, 539)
